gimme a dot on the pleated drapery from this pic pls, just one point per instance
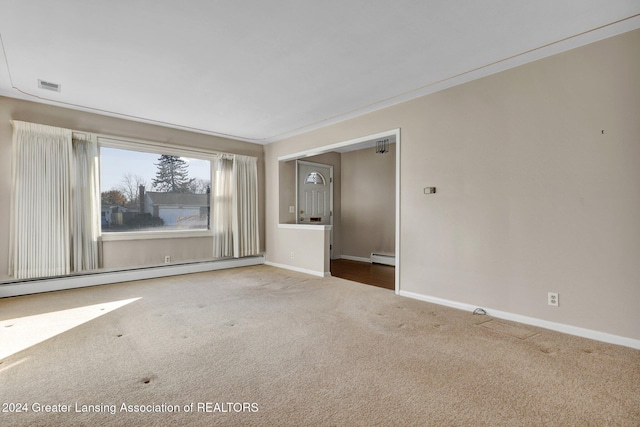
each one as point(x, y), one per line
point(85, 204)
point(54, 195)
point(246, 240)
point(235, 206)
point(222, 206)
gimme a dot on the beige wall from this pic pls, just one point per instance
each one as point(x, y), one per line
point(118, 254)
point(121, 253)
point(368, 202)
point(532, 196)
point(305, 249)
point(287, 191)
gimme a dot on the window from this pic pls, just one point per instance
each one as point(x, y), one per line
point(153, 191)
point(315, 178)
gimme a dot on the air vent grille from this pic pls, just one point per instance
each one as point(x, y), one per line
point(48, 85)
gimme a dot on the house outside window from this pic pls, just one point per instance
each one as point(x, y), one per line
point(153, 191)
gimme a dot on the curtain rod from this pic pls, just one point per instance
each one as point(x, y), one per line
point(74, 133)
point(124, 140)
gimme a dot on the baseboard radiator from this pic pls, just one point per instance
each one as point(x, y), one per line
point(48, 284)
point(383, 259)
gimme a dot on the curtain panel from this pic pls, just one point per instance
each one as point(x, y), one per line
point(85, 196)
point(235, 206)
point(222, 206)
point(54, 196)
point(246, 240)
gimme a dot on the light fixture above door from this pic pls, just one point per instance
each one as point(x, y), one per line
point(382, 146)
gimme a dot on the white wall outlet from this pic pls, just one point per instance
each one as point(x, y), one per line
point(553, 299)
point(292, 209)
point(167, 259)
point(292, 255)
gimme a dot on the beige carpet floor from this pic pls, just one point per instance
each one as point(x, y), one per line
point(261, 346)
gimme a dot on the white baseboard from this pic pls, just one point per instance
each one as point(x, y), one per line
point(35, 286)
point(355, 258)
point(559, 327)
point(299, 269)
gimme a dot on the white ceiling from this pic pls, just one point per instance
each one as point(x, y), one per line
point(260, 71)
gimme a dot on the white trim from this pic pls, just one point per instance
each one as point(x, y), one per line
point(333, 147)
point(306, 227)
point(308, 163)
point(355, 258)
point(102, 278)
point(146, 235)
point(398, 177)
point(153, 147)
point(554, 326)
point(298, 269)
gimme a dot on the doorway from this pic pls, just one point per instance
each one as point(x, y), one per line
point(367, 213)
point(289, 214)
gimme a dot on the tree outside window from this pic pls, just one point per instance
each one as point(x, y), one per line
point(178, 197)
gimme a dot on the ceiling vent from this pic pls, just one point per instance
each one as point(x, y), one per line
point(49, 86)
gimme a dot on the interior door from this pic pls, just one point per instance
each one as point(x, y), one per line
point(314, 193)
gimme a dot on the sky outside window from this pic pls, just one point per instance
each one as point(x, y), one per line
point(116, 163)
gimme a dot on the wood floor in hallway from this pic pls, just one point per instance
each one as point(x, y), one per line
point(382, 276)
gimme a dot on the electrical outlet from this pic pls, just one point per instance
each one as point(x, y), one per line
point(553, 299)
point(167, 259)
point(292, 209)
point(292, 255)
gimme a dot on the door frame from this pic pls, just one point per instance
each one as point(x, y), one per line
point(357, 142)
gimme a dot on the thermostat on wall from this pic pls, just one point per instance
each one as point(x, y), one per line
point(429, 190)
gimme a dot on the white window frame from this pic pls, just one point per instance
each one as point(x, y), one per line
point(155, 148)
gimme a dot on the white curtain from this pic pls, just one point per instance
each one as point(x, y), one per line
point(51, 234)
point(222, 206)
point(246, 240)
point(235, 206)
point(41, 176)
point(85, 203)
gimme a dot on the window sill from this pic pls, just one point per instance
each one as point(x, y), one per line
point(306, 226)
point(147, 235)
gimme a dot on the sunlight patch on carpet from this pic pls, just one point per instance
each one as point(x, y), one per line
point(509, 329)
point(24, 332)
